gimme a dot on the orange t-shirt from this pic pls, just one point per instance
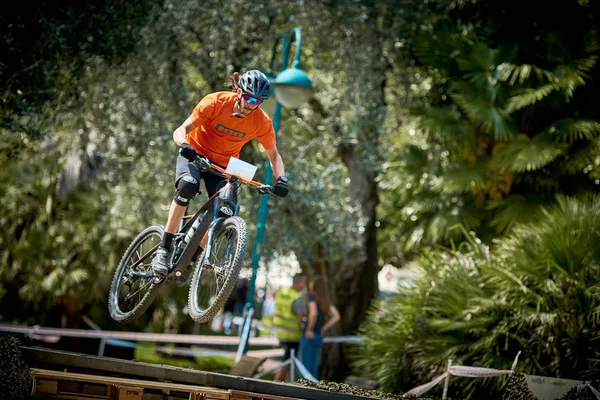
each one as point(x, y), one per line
point(220, 136)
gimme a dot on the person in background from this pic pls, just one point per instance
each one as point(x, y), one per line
point(322, 315)
point(268, 312)
point(287, 320)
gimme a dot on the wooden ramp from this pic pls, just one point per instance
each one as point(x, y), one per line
point(70, 385)
point(247, 366)
point(67, 375)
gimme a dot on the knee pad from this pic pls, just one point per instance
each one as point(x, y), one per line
point(187, 187)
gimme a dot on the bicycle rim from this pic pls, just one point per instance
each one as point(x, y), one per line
point(128, 300)
point(212, 284)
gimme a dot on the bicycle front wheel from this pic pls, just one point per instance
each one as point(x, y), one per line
point(130, 294)
point(216, 276)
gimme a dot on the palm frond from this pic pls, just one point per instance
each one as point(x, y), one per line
point(507, 72)
point(444, 121)
point(477, 65)
point(414, 160)
point(424, 203)
point(525, 154)
point(481, 109)
point(53, 279)
point(530, 96)
point(569, 130)
point(446, 45)
point(461, 179)
point(578, 67)
point(513, 210)
point(439, 226)
point(77, 276)
point(583, 158)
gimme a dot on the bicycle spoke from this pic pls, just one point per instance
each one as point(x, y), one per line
point(131, 293)
point(214, 280)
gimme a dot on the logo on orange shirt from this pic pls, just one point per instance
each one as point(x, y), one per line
point(229, 131)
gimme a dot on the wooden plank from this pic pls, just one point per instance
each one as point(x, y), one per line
point(239, 395)
point(123, 384)
point(76, 385)
point(130, 393)
point(247, 366)
point(45, 358)
point(99, 390)
point(155, 396)
point(45, 386)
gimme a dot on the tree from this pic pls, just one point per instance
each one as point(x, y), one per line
point(507, 124)
point(534, 291)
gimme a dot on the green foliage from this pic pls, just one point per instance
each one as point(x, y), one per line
point(525, 154)
point(46, 255)
point(48, 47)
point(535, 291)
point(149, 354)
point(499, 125)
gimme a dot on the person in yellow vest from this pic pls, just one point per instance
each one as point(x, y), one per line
point(290, 310)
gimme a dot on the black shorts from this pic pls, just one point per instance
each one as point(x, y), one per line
point(212, 182)
point(287, 347)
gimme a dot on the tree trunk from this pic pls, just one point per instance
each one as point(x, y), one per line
point(71, 319)
point(352, 282)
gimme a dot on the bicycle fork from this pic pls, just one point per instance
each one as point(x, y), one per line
point(215, 224)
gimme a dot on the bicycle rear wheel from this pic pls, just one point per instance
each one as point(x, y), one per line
point(213, 283)
point(131, 295)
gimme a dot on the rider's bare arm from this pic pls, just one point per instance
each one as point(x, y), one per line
point(334, 317)
point(276, 162)
point(180, 134)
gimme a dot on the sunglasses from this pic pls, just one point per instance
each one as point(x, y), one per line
point(251, 100)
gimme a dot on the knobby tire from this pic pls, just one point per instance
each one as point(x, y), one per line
point(148, 291)
point(210, 290)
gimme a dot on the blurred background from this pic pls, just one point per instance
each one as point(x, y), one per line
point(444, 174)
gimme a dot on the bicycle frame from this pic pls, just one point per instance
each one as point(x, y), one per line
point(183, 254)
point(209, 223)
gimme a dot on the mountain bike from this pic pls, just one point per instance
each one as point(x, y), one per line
point(215, 269)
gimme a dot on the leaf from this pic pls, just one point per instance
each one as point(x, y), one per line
point(482, 111)
point(511, 73)
point(531, 96)
point(53, 279)
point(524, 154)
point(513, 210)
point(78, 276)
point(461, 179)
point(583, 158)
point(569, 130)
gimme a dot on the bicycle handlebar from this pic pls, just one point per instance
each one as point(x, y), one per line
point(205, 164)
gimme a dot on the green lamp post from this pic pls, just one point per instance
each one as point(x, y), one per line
point(291, 89)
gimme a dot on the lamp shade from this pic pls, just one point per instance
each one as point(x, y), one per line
point(292, 88)
point(268, 105)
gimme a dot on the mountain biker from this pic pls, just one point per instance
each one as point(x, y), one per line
point(219, 126)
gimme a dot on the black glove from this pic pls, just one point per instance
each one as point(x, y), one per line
point(188, 152)
point(281, 188)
